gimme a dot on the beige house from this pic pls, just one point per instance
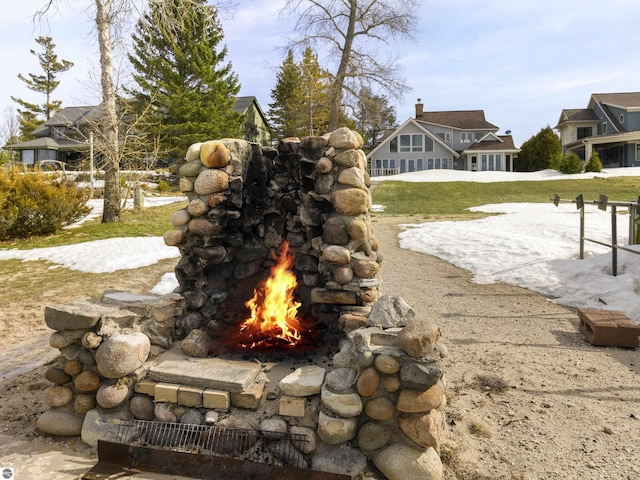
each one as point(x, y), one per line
point(457, 140)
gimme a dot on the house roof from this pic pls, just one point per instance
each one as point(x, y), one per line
point(577, 115)
point(460, 119)
point(624, 100)
point(391, 132)
point(48, 143)
point(76, 115)
point(242, 103)
point(494, 143)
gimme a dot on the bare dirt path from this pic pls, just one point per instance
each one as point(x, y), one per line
point(528, 397)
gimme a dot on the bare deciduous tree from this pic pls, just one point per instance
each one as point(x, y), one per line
point(350, 28)
point(9, 133)
point(110, 15)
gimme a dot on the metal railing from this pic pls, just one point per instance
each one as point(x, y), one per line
point(383, 172)
point(603, 203)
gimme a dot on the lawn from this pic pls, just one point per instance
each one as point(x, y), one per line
point(445, 199)
point(431, 200)
point(150, 221)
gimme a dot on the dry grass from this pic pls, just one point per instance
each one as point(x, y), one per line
point(491, 384)
point(479, 428)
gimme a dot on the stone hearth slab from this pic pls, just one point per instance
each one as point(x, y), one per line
point(214, 373)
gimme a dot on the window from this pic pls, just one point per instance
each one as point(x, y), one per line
point(446, 136)
point(467, 137)
point(622, 118)
point(604, 128)
point(491, 162)
point(637, 152)
point(46, 155)
point(28, 156)
point(419, 164)
point(416, 142)
point(428, 144)
point(405, 143)
point(584, 132)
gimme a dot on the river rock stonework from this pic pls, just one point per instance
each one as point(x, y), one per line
point(371, 402)
point(245, 200)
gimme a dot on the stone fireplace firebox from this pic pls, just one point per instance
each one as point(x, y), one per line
point(245, 201)
point(368, 402)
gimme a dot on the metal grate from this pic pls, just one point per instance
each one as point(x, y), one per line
point(242, 444)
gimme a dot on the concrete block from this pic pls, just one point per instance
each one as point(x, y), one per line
point(190, 396)
point(216, 399)
point(250, 398)
point(146, 387)
point(291, 406)
point(608, 328)
point(166, 392)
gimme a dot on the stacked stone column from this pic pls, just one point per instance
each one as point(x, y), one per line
point(244, 200)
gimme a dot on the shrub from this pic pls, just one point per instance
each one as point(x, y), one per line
point(163, 186)
point(570, 164)
point(36, 204)
point(594, 164)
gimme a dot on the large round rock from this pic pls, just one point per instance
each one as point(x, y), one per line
point(61, 423)
point(122, 354)
point(400, 462)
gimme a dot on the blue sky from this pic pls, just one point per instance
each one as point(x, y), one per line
point(521, 62)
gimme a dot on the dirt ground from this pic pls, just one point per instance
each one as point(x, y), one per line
point(528, 397)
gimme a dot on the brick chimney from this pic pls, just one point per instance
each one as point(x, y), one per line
point(419, 108)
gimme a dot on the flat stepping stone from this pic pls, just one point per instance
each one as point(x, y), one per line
point(213, 373)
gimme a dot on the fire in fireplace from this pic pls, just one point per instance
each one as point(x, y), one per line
point(273, 320)
point(245, 202)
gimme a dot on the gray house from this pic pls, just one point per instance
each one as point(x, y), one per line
point(459, 140)
point(610, 125)
point(65, 136)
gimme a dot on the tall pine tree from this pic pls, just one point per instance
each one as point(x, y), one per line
point(300, 98)
point(180, 72)
point(283, 122)
point(31, 114)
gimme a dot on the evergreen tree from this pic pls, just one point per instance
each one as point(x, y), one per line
point(45, 83)
point(301, 98)
point(542, 151)
point(374, 116)
point(281, 116)
point(315, 94)
point(179, 70)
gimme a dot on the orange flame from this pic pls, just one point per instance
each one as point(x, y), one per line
point(273, 320)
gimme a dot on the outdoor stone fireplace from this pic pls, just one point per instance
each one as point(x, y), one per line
point(247, 204)
point(364, 388)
